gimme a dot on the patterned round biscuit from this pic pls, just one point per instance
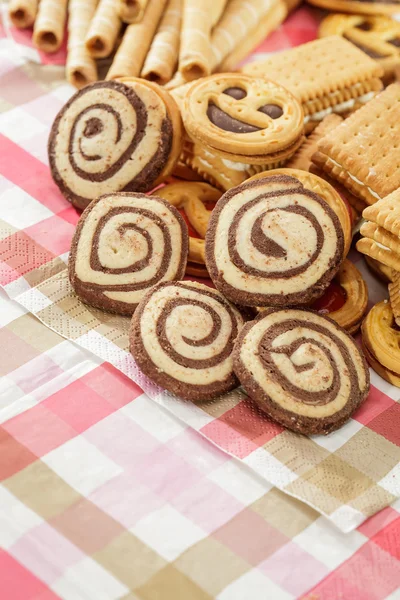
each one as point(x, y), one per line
point(242, 115)
point(302, 369)
point(325, 190)
point(182, 338)
point(123, 245)
point(271, 242)
point(195, 201)
point(111, 137)
point(376, 35)
point(346, 299)
point(363, 7)
point(381, 337)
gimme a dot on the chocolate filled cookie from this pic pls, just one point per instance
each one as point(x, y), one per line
point(112, 136)
point(182, 338)
point(123, 245)
point(302, 369)
point(271, 242)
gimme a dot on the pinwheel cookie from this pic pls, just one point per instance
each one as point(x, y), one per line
point(327, 192)
point(381, 342)
point(381, 231)
point(302, 369)
point(346, 299)
point(182, 338)
point(376, 35)
point(123, 245)
point(367, 7)
point(243, 119)
point(195, 201)
point(327, 75)
point(112, 136)
point(271, 242)
point(363, 152)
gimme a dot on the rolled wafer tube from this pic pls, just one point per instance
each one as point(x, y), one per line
point(238, 20)
point(22, 12)
point(48, 31)
point(131, 11)
point(265, 26)
point(104, 30)
point(136, 42)
point(195, 50)
point(163, 54)
point(217, 8)
point(81, 67)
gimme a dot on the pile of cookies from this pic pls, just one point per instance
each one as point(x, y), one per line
point(217, 180)
point(160, 40)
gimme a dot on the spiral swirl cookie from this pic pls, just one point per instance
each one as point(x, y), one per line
point(302, 369)
point(381, 342)
point(111, 137)
point(271, 242)
point(242, 115)
point(195, 201)
point(325, 190)
point(182, 338)
point(123, 245)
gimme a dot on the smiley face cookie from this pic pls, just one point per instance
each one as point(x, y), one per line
point(271, 242)
point(242, 116)
point(381, 342)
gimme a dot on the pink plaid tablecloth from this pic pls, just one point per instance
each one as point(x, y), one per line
point(106, 495)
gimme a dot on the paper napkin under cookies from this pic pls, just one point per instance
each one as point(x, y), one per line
point(347, 476)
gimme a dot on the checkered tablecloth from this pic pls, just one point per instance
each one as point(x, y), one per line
point(105, 494)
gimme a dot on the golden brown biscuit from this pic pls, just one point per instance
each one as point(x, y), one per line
point(383, 272)
point(394, 296)
point(346, 299)
point(363, 152)
point(195, 201)
point(381, 339)
point(302, 158)
point(326, 75)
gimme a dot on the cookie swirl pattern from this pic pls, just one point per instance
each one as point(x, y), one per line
point(272, 242)
point(302, 369)
point(109, 137)
point(124, 244)
point(182, 337)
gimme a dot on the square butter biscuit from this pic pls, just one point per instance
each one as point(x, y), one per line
point(363, 153)
point(326, 75)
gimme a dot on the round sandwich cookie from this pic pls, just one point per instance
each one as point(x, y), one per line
point(124, 244)
point(243, 116)
point(182, 338)
point(363, 7)
point(271, 242)
point(112, 136)
point(302, 369)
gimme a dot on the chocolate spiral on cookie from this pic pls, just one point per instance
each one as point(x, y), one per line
point(110, 137)
point(123, 245)
point(271, 242)
point(302, 368)
point(182, 338)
